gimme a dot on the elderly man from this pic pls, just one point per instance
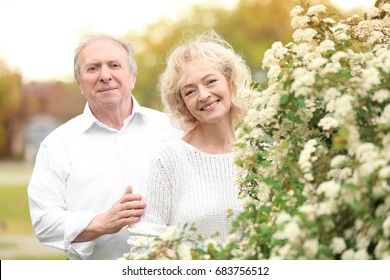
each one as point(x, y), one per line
point(79, 194)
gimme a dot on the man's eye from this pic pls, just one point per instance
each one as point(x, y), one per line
point(91, 68)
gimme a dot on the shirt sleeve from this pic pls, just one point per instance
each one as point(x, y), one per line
point(53, 224)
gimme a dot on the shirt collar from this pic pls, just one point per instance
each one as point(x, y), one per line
point(89, 120)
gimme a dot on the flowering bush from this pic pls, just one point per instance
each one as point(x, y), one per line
point(322, 191)
point(313, 153)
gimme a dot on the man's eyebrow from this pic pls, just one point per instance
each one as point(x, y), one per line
point(92, 63)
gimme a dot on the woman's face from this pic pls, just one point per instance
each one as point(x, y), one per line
point(206, 92)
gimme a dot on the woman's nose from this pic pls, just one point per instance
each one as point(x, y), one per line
point(203, 93)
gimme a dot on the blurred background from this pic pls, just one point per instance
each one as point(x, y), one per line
point(38, 91)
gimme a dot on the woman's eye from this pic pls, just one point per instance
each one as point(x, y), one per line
point(189, 92)
point(211, 81)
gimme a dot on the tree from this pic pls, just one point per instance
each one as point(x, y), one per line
point(10, 97)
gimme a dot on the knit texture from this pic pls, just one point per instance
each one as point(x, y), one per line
point(188, 186)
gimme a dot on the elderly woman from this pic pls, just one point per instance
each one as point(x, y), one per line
point(192, 179)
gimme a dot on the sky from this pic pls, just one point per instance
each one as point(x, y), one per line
point(38, 37)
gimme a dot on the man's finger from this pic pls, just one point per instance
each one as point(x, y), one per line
point(129, 190)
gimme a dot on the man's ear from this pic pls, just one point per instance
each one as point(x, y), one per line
point(133, 80)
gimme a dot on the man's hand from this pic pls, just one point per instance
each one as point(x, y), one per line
point(127, 210)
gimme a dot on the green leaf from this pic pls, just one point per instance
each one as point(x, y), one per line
point(284, 100)
point(292, 117)
point(275, 184)
point(350, 186)
point(265, 209)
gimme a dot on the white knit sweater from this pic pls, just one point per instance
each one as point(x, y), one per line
point(189, 186)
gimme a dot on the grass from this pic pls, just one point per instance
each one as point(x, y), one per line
point(15, 219)
point(14, 211)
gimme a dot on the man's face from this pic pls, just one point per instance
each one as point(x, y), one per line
point(105, 77)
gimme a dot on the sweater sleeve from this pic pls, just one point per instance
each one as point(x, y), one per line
point(158, 197)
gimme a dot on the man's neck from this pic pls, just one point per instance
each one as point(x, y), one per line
point(113, 116)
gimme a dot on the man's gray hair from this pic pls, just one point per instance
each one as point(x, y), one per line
point(91, 38)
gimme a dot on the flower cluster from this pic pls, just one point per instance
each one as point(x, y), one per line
point(322, 190)
point(313, 153)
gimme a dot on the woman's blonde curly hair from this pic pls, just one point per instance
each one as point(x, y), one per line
point(212, 49)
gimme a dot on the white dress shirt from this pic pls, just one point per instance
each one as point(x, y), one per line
point(82, 168)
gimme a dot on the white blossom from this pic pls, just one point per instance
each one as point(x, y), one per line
point(290, 231)
point(384, 173)
point(282, 218)
point(300, 22)
point(384, 118)
point(331, 94)
point(386, 227)
point(340, 31)
point(230, 239)
point(210, 241)
point(296, 11)
point(330, 189)
point(169, 234)
point(370, 77)
point(328, 122)
point(386, 7)
point(361, 255)
point(338, 245)
point(302, 49)
point(184, 252)
point(316, 63)
point(380, 249)
point(337, 160)
point(316, 10)
point(304, 35)
point(331, 67)
point(309, 210)
point(329, 21)
point(343, 108)
point(305, 162)
point(348, 255)
point(274, 72)
point(311, 247)
point(366, 152)
point(326, 45)
point(373, 12)
point(381, 95)
point(327, 207)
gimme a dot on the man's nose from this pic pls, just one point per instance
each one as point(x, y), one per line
point(105, 74)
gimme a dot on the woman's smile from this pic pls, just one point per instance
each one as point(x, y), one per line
point(210, 106)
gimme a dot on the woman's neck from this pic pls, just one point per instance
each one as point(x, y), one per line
point(211, 138)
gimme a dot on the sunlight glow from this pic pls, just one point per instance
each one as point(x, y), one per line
point(38, 37)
